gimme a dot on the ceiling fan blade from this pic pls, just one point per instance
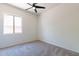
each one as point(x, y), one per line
point(29, 4)
point(28, 8)
point(34, 4)
point(40, 7)
point(35, 10)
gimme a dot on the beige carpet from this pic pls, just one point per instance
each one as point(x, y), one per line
point(36, 48)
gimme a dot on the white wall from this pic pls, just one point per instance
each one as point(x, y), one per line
point(29, 24)
point(60, 26)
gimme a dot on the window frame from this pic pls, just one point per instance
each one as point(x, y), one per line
point(13, 25)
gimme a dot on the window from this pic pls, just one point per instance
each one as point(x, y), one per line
point(8, 24)
point(18, 25)
point(12, 24)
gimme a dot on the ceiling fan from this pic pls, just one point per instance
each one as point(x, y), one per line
point(35, 7)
